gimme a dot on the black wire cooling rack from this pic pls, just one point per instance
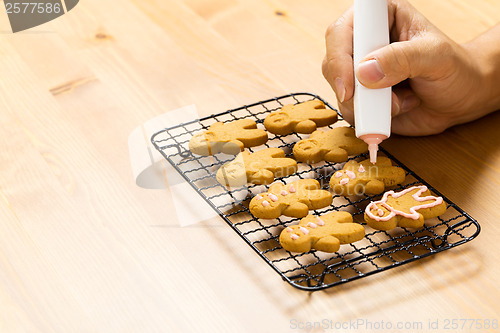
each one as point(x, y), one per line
point(377, 252)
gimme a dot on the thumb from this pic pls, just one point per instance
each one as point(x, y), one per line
point(396, 62)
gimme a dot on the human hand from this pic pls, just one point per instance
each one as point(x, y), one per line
point(436, 82)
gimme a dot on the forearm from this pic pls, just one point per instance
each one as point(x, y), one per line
point(485, 50)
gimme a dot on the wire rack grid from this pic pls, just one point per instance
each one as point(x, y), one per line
point(314, 270)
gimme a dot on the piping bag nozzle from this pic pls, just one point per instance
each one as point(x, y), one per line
point(373, 140)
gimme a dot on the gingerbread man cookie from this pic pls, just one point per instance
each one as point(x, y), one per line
point(228, 138)
point(365, 177)
point(304, 118)
point(324, 233)
point(334, 145)
point(294, 199)
point(406, 209)
point(260, 167)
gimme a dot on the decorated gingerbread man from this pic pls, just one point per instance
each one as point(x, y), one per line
point(300, 118)
point(228, 138)
point(366, 178)
point(334, 145)
point(406, 209)
point(324, 233)
point(294, 199)
point(260, 167)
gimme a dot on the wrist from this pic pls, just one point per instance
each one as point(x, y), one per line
point(484, 53)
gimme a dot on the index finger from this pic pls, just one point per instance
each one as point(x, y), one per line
point(338, 65)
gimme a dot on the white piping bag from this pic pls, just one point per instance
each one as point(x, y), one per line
point(372, 107)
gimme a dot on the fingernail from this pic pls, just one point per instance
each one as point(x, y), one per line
point(395, 108)
point(370, 71)
point(409, 103)
point(339, 86)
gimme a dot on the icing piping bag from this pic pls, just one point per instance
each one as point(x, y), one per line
point(372, 107)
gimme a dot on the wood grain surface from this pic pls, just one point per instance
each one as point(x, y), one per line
point(83, 249)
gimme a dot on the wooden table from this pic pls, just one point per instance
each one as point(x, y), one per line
point(83, 249)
